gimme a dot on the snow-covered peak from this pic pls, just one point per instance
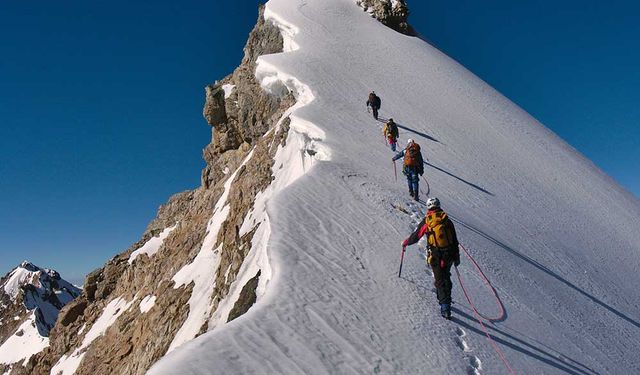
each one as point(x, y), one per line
point(32, 298)
point(28, 276)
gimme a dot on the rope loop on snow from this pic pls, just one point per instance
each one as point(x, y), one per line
point(428, 187)
point(502, 313)
point(479, 316)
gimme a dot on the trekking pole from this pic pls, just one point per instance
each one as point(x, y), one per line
point(395, 171)
point(401, 260)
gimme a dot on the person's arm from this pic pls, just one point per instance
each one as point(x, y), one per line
point(420, 231)
point(398, 155)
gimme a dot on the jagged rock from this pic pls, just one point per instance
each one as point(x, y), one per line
point(214, 111)
point(91, 284)
point(392, 13)
point(72, 311)
point(247, 298)
point(264, 39)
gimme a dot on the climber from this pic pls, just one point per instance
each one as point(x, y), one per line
point(390, 132)
point(374, 102)
point(413, 166)
point(442, 250)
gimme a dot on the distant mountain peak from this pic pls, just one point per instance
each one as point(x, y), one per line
point(31, 299)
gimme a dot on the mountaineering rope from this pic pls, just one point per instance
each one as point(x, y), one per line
point(488, 283)
point(480, 316)
point(426, 182)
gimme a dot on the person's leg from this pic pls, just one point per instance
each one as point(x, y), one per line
point(375, 112)
point(415, 179)
point(446, 284)
point(439, 278)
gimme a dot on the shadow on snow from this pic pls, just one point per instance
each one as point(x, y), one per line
point(459, 179)
point(549, 272)
point(535, 352)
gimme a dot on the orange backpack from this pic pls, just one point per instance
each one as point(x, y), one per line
point(412, 156)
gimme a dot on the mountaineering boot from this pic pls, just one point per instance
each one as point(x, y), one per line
point(416, 195)
point(445, 310)
point(411, 193)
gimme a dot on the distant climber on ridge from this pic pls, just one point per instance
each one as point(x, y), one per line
point(390, 132)
point(413, 166)
point(374, 102)
point(442, 250)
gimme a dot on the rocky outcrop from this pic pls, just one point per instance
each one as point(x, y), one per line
point(247, 298)
point(247, 128)
point(392, 13)
point(248, 111)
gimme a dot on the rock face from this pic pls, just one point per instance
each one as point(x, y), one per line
point(30, 300)
point(101, 341)
point(392, 13)
point(189, 260)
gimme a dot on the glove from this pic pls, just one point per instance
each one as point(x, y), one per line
point(456, 261)
point(404, 243)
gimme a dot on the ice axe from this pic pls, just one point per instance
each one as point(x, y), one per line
point(401, 260)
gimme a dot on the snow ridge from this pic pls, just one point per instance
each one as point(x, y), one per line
point(531, 210)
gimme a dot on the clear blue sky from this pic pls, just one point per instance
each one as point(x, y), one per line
point(101, 102)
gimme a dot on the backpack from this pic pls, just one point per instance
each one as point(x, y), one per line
point(391, 130)
point(440, 233)
point(374, 100)
point(412, 157)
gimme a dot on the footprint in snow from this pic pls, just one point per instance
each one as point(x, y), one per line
point(476, 365)
point(462, 344)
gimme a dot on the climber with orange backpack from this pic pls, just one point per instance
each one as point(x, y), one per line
point(442, 250)
point(413, 166)
point(390, 132)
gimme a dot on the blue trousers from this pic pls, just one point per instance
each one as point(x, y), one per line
point(413, 178)
point(392, 145)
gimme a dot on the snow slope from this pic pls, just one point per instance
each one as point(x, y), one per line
point(559, 239)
